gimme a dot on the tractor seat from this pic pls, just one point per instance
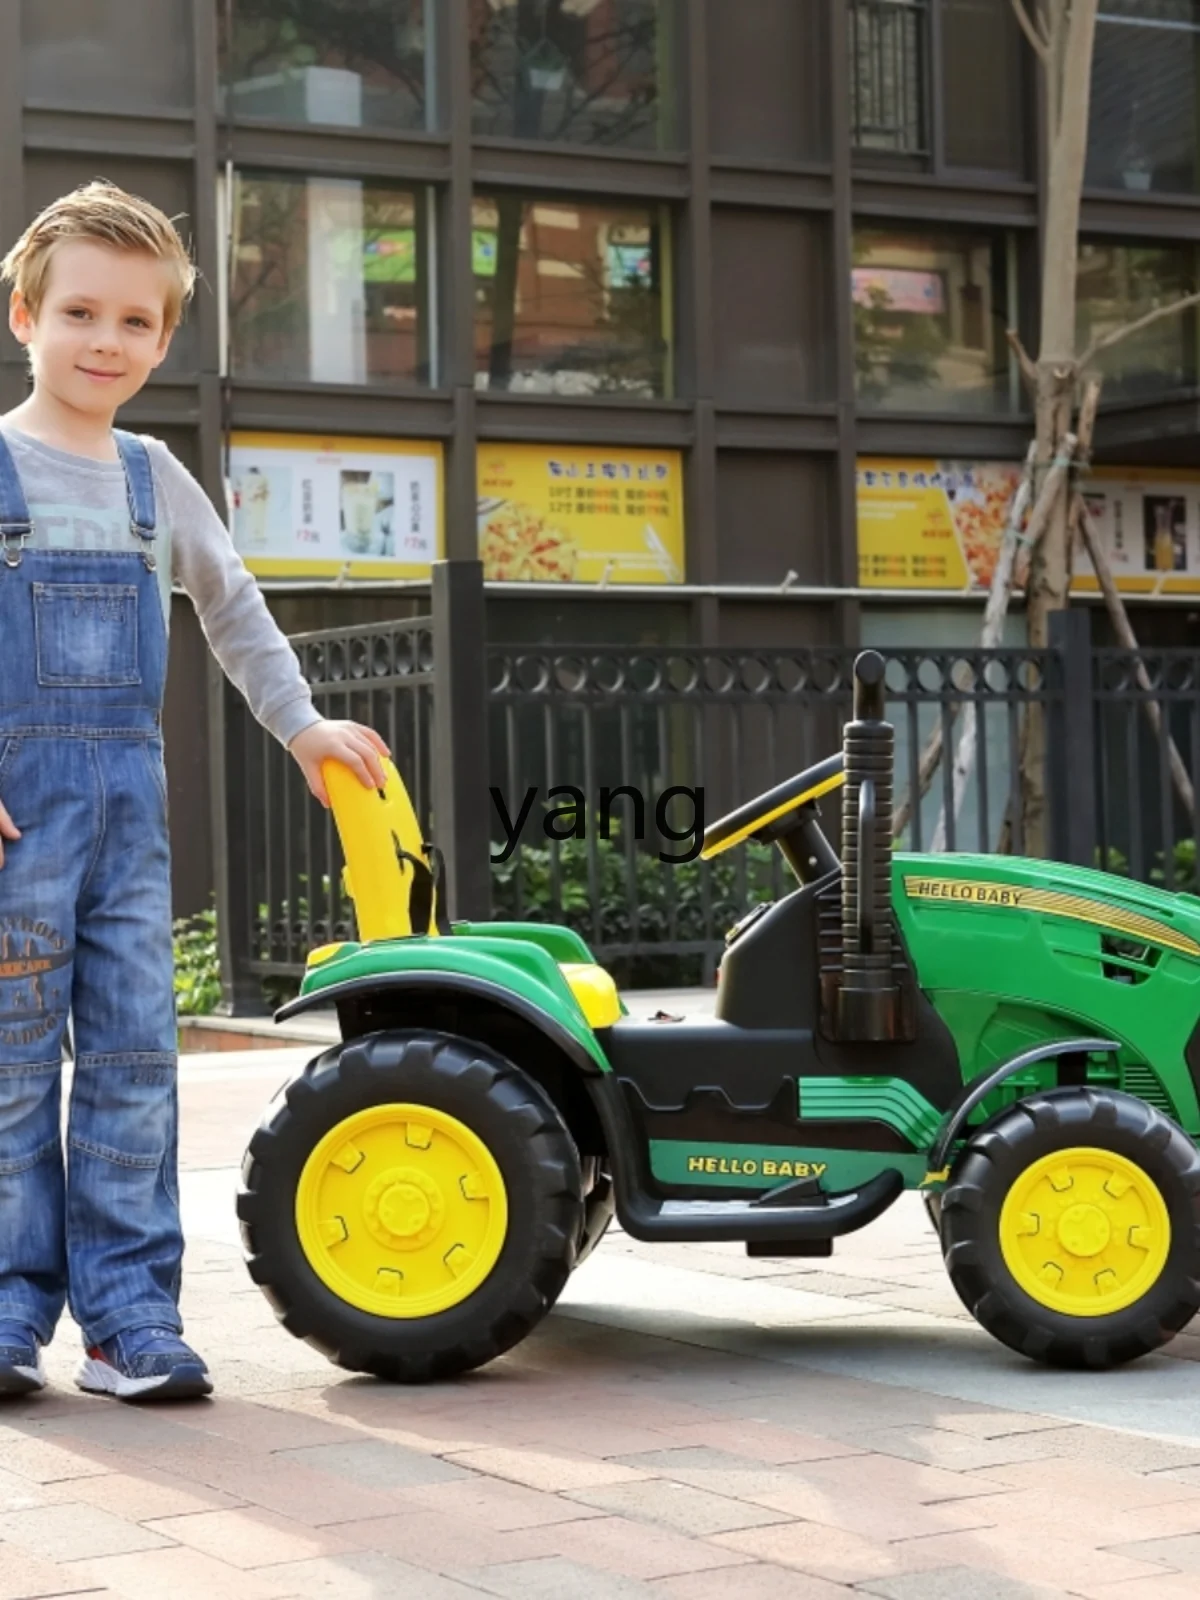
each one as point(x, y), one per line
point(390, 878)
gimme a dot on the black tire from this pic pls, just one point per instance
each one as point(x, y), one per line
point(599, 1208)
point(970, 1214)
point(529, 1142)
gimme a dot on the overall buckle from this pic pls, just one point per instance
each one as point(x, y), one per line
point(146, 540)
point(15, 540)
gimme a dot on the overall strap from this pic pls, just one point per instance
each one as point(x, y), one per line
point(15, 523)
point(139, 489)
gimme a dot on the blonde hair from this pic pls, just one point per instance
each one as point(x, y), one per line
point(103, 213)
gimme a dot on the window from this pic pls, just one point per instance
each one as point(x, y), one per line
point(350, 63)
point(570, 298)
point(971, 50)
point(1117, 283)
point(889, 46)
point(578, 71)
point(115, 55)
point(930, 314)
point(328, 280)
point(1143, 133)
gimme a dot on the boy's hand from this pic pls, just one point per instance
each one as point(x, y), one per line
point(8, 830)
point(356, 746)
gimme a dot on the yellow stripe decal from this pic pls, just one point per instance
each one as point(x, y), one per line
point(1076, 907)
point(815, 793)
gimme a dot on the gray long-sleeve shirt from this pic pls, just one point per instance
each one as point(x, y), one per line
point(76, 503)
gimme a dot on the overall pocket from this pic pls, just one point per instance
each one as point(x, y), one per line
point(87, 635)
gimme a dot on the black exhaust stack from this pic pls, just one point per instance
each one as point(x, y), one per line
point(868, 998)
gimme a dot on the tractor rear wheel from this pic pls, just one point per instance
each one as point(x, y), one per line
point(1071, 1227)
point(413, 1207)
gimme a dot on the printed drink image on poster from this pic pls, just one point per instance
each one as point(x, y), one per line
point(551, 514)
point(306, 506)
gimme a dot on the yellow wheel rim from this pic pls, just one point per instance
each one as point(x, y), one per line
point(401, 1211)
point(1085, 1232)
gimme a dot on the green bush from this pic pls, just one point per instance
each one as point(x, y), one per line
point(197, 967)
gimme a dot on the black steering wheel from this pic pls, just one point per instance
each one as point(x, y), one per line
point(768, 808)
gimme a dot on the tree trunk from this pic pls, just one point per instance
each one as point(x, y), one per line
point(1069, 74)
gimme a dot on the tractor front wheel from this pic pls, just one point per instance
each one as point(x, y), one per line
point(413, 1207)
point(1071, 1228)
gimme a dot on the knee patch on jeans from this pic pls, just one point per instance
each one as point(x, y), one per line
point(29, 1115)
point(123, 1108)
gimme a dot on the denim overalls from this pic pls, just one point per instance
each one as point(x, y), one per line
point(85, 927)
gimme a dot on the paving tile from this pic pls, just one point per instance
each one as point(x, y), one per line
point(1091, 1522)
point(73, 1532)
point(251, 1537)
point(1177, 1586)
point(759, 1440)
point(555, 1578)
point(28, 1577)
point(1180, 1554)
point(757, 1582)
point(276, 1484)
point(179, 1574)
point(445, 1543)
point(22, 1494)
point(984, 1424)
point(547, 1469)
point(636, 1550)
point(955, 1583)
point(719, 1471)
point(1092, 1479)
point(44, 1461)
point(1030, 1555)
point(493, 1503)
point(833, 1553)
point(138, 1498)
point(960, 1452)
point(366, 1575)
point(375, 1463)
point(675, 1505)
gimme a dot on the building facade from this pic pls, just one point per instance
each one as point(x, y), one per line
point(689, 315)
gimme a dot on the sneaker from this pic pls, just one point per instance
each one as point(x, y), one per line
point(144, 1364)
point(21, 1369)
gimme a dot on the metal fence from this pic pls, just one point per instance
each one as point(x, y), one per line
point(682, 736)
point(575, 785)
point(889, 75)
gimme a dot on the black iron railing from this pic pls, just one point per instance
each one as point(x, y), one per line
point(574, 785)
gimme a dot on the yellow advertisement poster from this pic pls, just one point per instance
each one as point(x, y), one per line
point(931, 524)
point(309, 506)
point(925, 524)
point(566, 514)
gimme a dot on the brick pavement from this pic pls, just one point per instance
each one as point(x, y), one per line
point(678, 1430)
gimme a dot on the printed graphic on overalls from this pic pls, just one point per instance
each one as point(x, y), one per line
point(34, 980)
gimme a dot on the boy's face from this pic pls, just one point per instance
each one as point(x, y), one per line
point(100, 331)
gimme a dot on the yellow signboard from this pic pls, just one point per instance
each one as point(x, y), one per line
point(925, 524)
point(308, 506)
point(571, 514)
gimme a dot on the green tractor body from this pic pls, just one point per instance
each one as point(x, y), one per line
point(1018, 1039)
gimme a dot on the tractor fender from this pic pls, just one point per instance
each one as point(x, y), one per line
point(455, 983)
point(979, 1088)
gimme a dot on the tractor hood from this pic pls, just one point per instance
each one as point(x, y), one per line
point(1119, 907)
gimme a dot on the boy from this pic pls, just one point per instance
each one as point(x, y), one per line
point(94, 525)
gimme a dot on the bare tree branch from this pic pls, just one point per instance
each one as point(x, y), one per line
point(931, 757)
point(1031, 31)
point(1106, 341)
point(1024, 359)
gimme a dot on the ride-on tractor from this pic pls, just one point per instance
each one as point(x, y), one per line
point(1017, 1039)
